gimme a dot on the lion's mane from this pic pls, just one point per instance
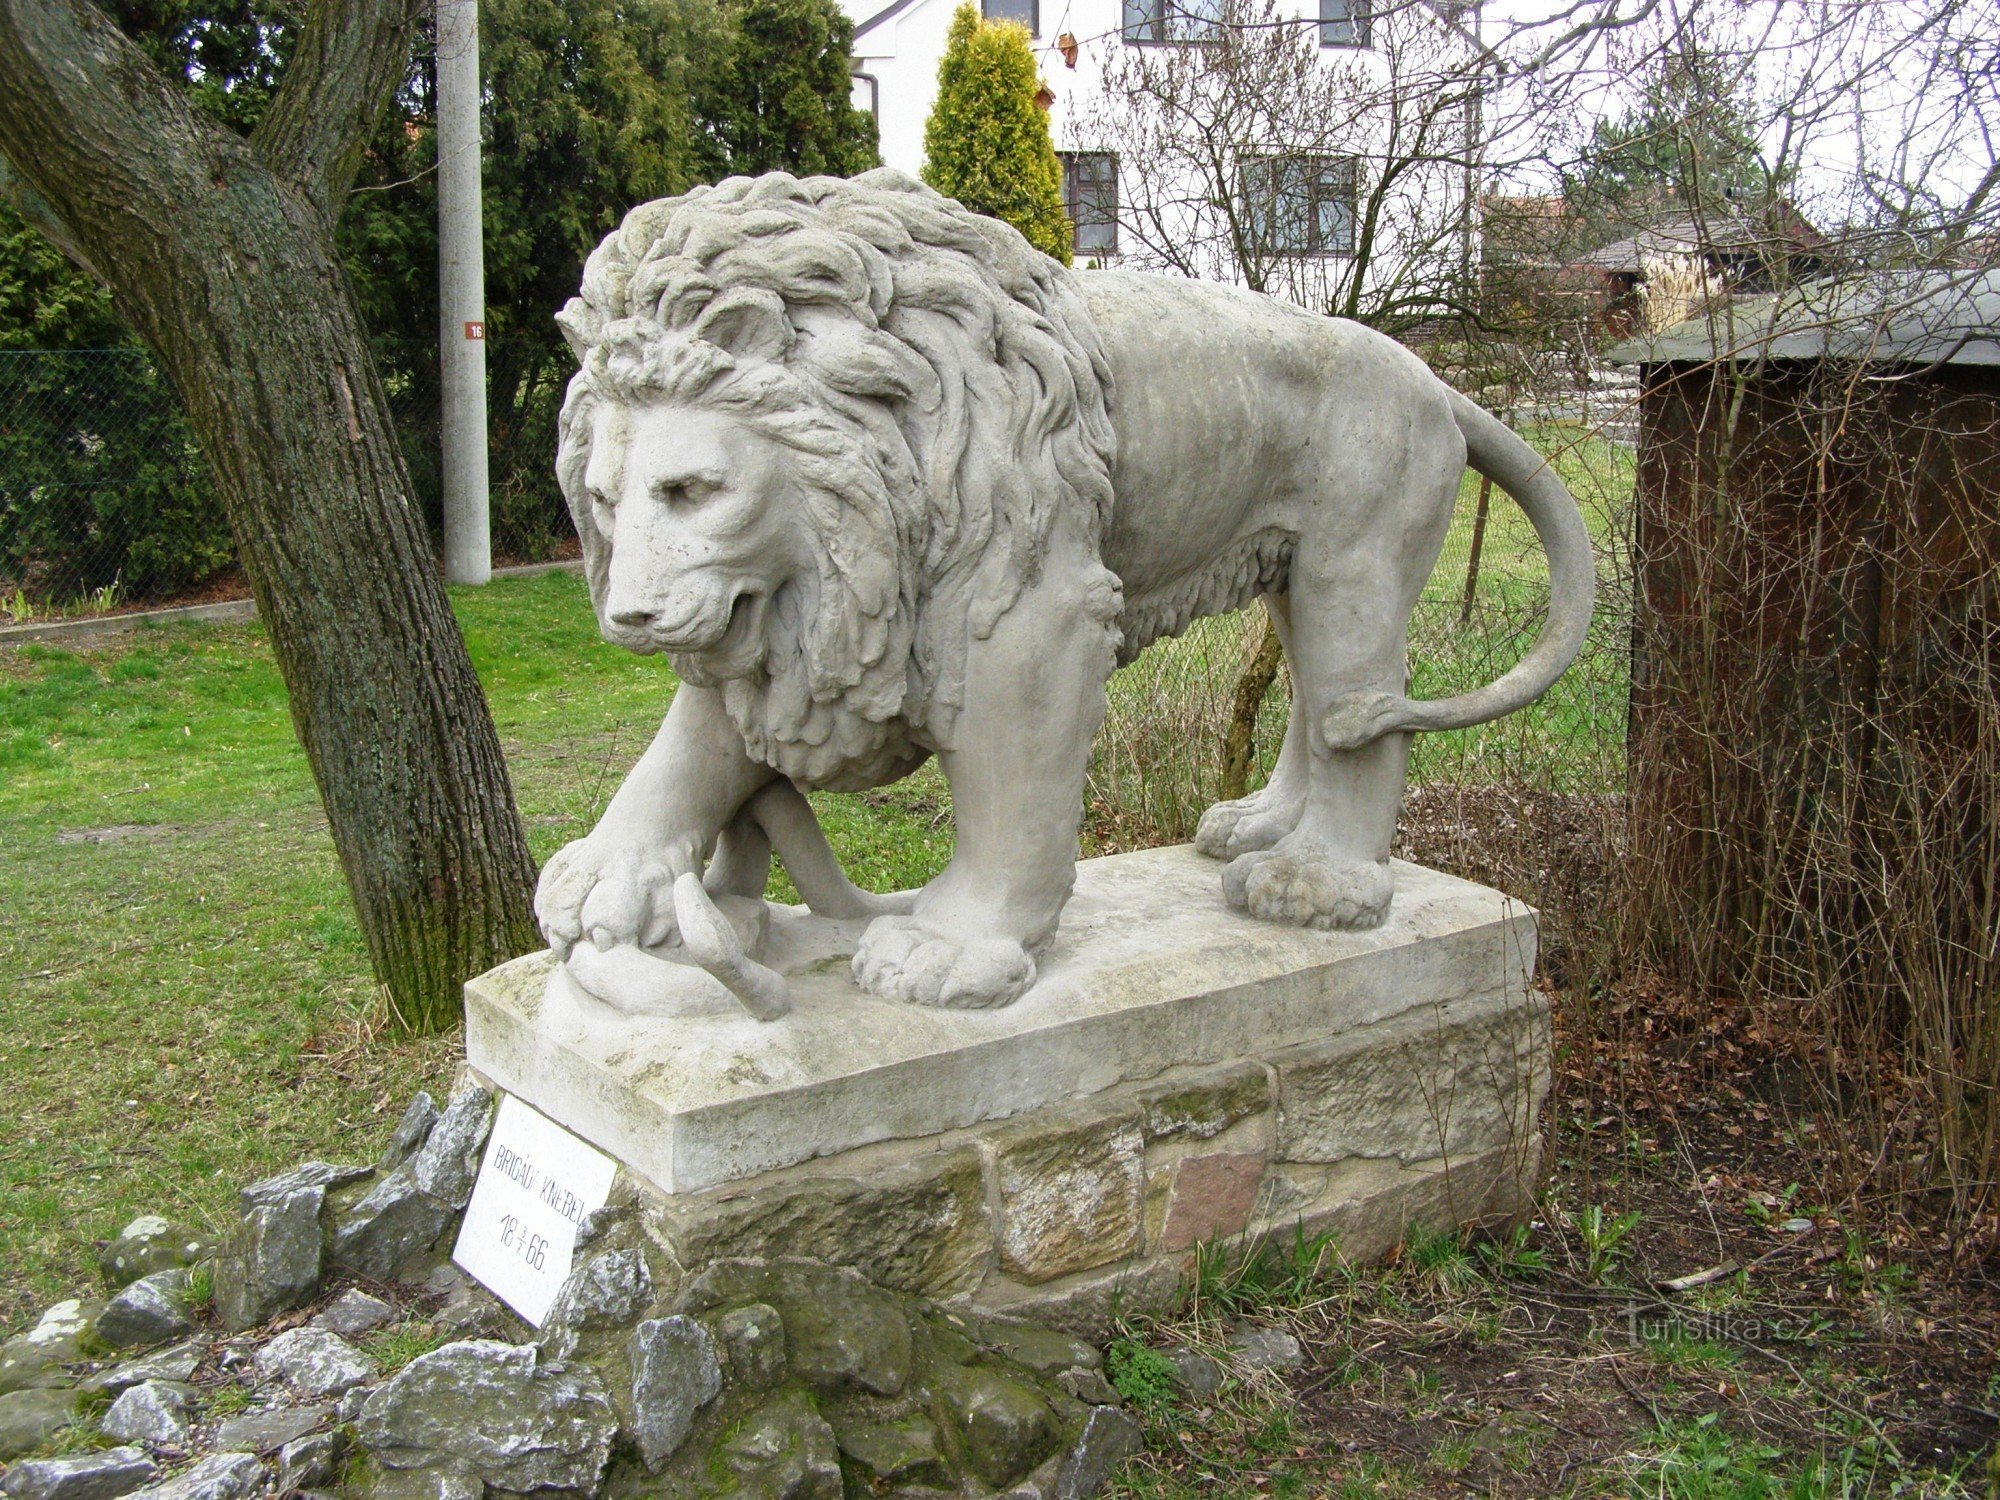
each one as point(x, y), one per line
point(945, 396)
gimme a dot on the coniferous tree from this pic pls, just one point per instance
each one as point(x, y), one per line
point(987, 141)
point(778, 95)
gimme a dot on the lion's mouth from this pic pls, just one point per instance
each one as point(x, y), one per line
point(734, 651)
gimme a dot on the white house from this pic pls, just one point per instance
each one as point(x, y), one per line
point(1305, 181)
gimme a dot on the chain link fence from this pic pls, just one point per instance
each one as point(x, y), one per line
point(106, 501)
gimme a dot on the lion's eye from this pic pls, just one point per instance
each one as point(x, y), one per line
point(678, 494)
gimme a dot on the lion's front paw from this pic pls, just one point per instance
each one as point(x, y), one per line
point(904, 958)
point(1255, 822)
point(1304, 884)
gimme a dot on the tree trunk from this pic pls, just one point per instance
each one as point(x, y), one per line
point(219, 250)
point(1239, 740)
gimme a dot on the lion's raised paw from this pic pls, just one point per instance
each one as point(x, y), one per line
point(1303, 884)
point(904, 958)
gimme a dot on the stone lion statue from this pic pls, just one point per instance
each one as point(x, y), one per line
point(882, 482)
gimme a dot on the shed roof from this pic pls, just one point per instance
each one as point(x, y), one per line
point(1903, 318)
point(1776, 230)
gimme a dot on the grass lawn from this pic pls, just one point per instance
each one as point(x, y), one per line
point(178, 948)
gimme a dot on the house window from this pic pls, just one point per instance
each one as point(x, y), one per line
point(1090, 198)
point(1345, 23)
point(1301, 205)
point(1172, 20)
point(1024, 11)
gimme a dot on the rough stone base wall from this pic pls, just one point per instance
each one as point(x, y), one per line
point(1080, 1213)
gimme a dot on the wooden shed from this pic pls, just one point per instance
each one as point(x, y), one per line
point(1815, 717)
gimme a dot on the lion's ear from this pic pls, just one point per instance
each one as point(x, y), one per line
point(748, 322)
point(580, 325)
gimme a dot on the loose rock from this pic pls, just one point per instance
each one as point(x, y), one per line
point(314, 1362)
point(1109, 1438)
point(1197, 1374)
point(391, 1226)
point(271, 1261)
point(176, 1363)
point(62, 1334)
point(80, 1476)
point(1256, 1348)
point(303, 1177)
point(354, 1312)
point(490, 1406)
point(1090, 1387)
point(410, 1133)
point(268, 1431)
point(1006, 1426)
point(841, 1332)
point(784, 1448)
point(905, 1452)
point(152, 1411)
point(449, 1160)
point(26, 1366)
point(146, 1245)
point(149, 1311)
point(222, 1476)
point(31, 1418)
point(610, 1291)
point(308, 1462)
point(675, 1373)
point(753, 1341)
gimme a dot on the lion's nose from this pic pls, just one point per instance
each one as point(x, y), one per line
point(634, 619)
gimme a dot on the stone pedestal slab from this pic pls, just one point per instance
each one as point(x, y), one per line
point(1179, 1074)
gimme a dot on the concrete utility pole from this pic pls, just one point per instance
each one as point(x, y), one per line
point(468, 539)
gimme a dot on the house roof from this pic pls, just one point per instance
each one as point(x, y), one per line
point(887, 12)
point(1728, 230)
point(1903, 318)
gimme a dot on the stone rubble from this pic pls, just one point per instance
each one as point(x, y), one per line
point(153, 1412)
point(147, 1245)
point(1265, 1349)
point(354, 1312)
point(103, 1475)
point(269, 1430)
point(764, 1378)
point(314, 1363)
point(152, 1310)
point(221, 1476)
point(675, 1373)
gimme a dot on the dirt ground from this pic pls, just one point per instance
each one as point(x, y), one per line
point(1688, 1316)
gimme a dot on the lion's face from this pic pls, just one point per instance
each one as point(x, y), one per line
point(696, 506)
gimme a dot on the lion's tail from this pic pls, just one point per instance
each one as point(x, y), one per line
point(1493, 450)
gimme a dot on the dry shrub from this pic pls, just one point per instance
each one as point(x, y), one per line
point(1816, 741)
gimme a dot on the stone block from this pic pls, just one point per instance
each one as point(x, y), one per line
point(1071, 1188)
point(1450, 1080)
point(1150, 972)
point(919, 1226)
point(1208, 1198)
point(1200, 1106)
point(1092, 1303)
point(1368, 1207)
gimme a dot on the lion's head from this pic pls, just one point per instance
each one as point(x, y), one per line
point(820, 433)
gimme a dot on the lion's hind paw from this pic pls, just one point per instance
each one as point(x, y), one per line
point(903, 958)
point(1303, 884)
